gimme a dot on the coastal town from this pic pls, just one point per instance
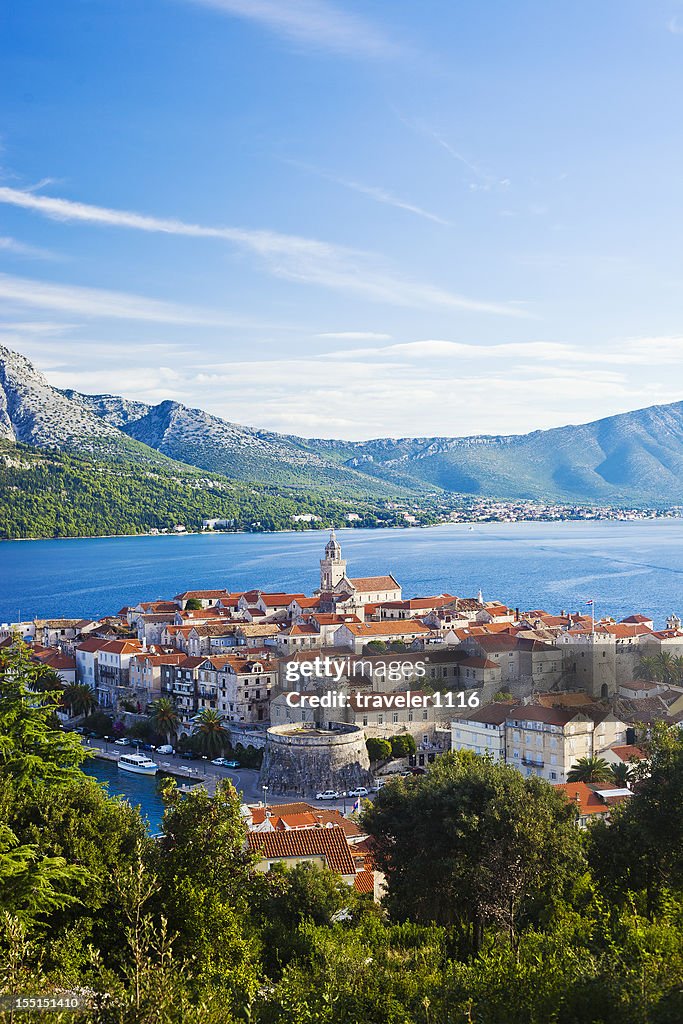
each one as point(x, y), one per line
point(334, 693)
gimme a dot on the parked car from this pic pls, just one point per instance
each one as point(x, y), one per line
point(220, 761)
point(327, 794)
point(189, 755)
point(361, 791)
point(123, 742)
point(378, 785)
point(165, 748)
point(231, 764)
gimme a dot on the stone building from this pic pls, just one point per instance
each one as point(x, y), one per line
point(305, 759)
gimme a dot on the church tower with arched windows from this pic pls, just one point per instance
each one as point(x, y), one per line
point(332, 566)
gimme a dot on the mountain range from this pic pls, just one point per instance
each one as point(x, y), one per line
point(632, 459)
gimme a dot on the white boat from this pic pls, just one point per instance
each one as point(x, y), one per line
point(138, 763)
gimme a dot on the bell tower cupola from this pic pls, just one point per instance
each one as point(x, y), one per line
point(332, 566)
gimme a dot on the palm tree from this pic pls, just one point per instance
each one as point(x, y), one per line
point(622, 773)
point(164, 718)
point(590, 769)
point(79, 699)
point(649, 668)
point(45, 680)
point(212, 736)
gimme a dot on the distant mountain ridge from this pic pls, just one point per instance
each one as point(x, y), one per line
point(634, 458)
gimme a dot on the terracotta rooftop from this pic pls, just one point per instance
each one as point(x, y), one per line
point(364, 883)
point(583, 798)
point(329, 843)
point(629, 752)
point(366, 584)
point(396, 628)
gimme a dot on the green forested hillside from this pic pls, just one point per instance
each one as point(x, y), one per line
point(51, 494)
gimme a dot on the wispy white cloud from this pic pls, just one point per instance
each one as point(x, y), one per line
point(387, 397)
point(675, 26)
point(437, 351)
point(379, 194)
point(314, 23)
point(292, 257)
point(17, 248)
point(483, 181)
point(657, 351)
point(392, 391)
point(97, 302)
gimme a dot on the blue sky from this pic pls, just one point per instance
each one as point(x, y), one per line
point(347, 219)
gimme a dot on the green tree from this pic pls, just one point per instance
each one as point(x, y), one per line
point(33, 749)
point(206, 881)
point(193, 605)
point(165, 719)
point(500, 845)
point(31, 885)
point(622, 773)
point(211, 736)
point(378, 749)
point(642, 847)
point(590, 769)
point(403, 745)
point(79, 699)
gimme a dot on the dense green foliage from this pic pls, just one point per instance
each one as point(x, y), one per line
point(378, 749)
point(499, 910)
point(64, 495)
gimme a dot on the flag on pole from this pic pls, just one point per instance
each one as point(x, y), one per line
point(356, 806)
point(590, 601)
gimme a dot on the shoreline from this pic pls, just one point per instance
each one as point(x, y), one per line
point(668, 515)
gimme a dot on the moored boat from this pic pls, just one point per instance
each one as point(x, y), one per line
point(138, 764)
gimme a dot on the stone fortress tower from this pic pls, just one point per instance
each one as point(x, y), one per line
point(332, 566)
point(304, 758)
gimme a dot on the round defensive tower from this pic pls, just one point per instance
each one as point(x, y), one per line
point(302, 758)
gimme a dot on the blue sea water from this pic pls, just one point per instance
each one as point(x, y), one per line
point(139, 790)
point(624, 566)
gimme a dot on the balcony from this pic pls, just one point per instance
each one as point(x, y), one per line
point(531, 762)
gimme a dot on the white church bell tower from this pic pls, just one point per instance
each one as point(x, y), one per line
point(332, 566)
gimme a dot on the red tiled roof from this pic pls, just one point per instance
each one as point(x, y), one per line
point(629, 752)
point(329, 843)
point(55, 659)
point(364, 882)
point(479, 663)
point(111, 646)
point(258, 813)
point(396, 628)
point(583, 798)
point(366, 584)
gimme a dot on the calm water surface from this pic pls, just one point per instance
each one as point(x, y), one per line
point(624, 566)
point(138, 790)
